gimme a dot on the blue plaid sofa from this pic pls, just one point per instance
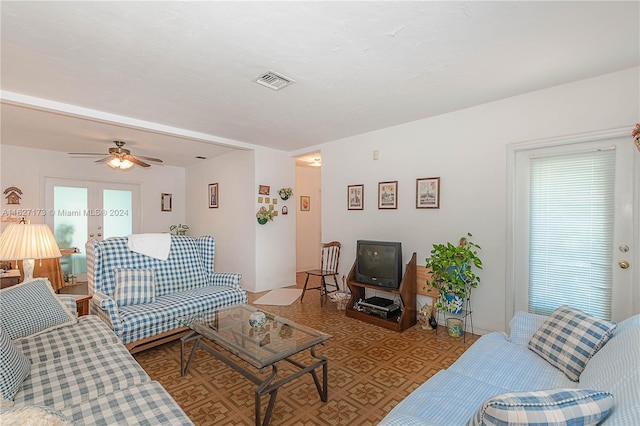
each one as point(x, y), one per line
point(159, 296)
point(499, 373)
point(73, 370)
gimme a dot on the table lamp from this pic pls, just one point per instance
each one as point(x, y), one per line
point(28, 242)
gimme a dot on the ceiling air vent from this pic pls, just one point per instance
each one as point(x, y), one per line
point(273, 80)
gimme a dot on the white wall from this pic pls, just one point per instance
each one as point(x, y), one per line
point(26, 169)
point(231, 224)
point(467, 149)
point(275, 247)
point(308, 223)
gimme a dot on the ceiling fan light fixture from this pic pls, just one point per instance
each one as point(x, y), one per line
point(116, 163)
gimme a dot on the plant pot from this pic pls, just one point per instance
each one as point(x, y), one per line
point(454, 303)
point(262, 221)
point(454, 327)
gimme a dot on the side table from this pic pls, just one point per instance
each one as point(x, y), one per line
point(82, 303)
point(10, 278)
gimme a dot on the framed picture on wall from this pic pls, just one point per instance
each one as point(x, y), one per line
point(264, 189)
point(388, 195)
point(305, 203)
point(213, 196)
point(355, 197)
point(428, 193)
point(165, 202)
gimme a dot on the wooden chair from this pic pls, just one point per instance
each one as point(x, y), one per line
point(328, 267)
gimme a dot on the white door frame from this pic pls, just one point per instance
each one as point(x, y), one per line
point(633, 256)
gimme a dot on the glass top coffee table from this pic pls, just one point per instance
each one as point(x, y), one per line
point(279, 339)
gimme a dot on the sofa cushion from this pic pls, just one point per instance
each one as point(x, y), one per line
point(144, 404)
point(134, 286)
point(558, 406)
point(172, 311)
point(89, 334)
point(492, 359)
point(15, 367)
point(81, 377)
point(34, 416)
point(35, 309)
point(447, 398)
point(569, 338)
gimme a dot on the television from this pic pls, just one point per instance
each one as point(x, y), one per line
point(379, 263)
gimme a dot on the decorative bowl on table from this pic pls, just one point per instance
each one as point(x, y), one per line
point(257, 319)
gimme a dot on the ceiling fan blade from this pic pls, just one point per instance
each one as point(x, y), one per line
point(138, 162)
point(157, 160)
point(87, 153)
point(103, 160)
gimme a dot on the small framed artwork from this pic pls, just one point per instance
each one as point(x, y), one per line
point(260, 199)
point(285, 210)
point(165, 202)
point(267, 200)
point(213, 196)
point(275, 200)
point(355, 197)
point(428, 193)
point(264, 189)
point(388, 195)
point(305, 203)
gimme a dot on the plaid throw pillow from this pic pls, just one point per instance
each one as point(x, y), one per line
point(15, 367)
point(32, 308)
point(540, 408)
point(134, 286)
point(569, 338)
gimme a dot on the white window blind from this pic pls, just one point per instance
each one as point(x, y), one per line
point(571, 232)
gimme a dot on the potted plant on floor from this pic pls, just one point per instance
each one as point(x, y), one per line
point(452, 272)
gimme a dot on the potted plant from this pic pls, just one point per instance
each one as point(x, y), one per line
point(179, 229)
point(452, 272)
point(264, 215)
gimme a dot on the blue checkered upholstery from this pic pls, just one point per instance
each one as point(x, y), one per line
point(35, 308)
point(87, 335)
point(134, 286)
point(144, 404)
point(15, 367)
point(545, 408)
point(569, 338)
point(186, 285)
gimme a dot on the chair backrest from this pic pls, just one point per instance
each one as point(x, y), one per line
point(330, 257)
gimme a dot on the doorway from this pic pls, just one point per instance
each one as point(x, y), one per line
point(308, 216)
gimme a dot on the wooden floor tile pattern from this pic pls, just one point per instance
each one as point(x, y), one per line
point(371, 369)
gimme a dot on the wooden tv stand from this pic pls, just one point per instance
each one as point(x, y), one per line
point(407, 293)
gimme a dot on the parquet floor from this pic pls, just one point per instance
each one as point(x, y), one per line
point(371, 369)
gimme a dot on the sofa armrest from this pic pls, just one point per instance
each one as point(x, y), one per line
point(69, 303)
point(228, 279)
point(523, 326)
point(107, 310)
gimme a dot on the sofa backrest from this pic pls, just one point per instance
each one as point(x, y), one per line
point(188, 266)
point(615, 368)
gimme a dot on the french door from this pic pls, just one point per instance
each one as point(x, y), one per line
point(81, 210)
point(571, 266)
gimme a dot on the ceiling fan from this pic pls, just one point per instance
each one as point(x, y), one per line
point(120, 158)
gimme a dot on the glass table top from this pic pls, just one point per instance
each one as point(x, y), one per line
point(278, 339)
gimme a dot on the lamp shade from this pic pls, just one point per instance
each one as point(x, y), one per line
point(28, 241)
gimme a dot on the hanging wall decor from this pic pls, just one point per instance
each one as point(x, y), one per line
point(213, 196)
point(12, 194)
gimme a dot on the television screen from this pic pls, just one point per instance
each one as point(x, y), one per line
point(379, 263)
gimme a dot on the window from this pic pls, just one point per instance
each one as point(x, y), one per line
point(571, 232)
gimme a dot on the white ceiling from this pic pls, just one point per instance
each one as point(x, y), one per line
point(175, 79)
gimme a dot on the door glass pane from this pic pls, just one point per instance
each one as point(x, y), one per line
point(117, 206)
point(571, 232)
point(70, 225)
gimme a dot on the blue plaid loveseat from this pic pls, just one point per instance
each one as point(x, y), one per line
point(183, 286)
